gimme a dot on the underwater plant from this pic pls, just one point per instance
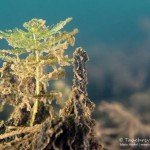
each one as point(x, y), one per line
point(35, 58)
point(43, 46)
point(118, 122)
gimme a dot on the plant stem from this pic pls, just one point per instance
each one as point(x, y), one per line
point(37, 91)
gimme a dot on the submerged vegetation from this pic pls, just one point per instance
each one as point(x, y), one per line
point(119, 121)
point(35, 58)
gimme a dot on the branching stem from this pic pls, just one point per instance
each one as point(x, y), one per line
point(37, 91)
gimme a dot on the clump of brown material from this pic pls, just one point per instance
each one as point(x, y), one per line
point(79, 102)
point(119, 123)
point(34, 124)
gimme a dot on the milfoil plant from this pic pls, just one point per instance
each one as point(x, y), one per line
point(34, 49)
point(35, 58)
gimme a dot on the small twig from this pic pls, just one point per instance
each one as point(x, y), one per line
point(21, 130)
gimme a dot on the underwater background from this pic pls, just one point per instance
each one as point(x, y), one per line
point(115, 33)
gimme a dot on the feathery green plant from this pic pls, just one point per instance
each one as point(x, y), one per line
point(32, 49)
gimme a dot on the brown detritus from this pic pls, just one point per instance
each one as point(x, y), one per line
point(66, 134)
point(122, 123)
point(128, 123)
point(79, 103)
